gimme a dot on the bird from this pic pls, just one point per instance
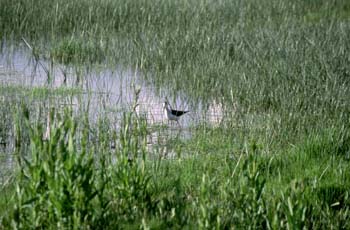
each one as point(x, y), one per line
point(171, 114)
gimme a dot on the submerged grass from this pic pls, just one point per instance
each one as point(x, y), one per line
point(37, 92)
point(77, 51)
point(280, 158)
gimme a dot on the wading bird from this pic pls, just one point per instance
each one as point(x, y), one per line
point(171, 114)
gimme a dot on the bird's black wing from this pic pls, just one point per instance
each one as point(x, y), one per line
point(177, 112)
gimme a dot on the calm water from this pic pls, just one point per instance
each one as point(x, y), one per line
point(105, 92)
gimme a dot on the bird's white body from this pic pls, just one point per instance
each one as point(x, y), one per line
point(171, 114)
point(168, 114)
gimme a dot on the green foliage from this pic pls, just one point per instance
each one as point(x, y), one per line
point(37, 93)
point(77, 51)
point(61, 186)
point(56, 184)
point(68, 181)
point(279, 160)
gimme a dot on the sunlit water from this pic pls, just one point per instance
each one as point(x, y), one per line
point(106, 92)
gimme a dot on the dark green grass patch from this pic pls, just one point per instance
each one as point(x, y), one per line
point(37, 92)
point(78, 51)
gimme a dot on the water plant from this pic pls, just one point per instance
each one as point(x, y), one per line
point(279, 159)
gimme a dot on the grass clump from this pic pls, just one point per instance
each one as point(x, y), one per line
point(37, 93)
point(61, 184)
point(56, 184)
point(77, 51)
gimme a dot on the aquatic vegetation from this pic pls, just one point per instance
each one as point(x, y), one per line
point(278, 157)
point(77, 51)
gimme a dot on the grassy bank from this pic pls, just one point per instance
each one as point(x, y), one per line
point(280, 159)
point(75, 180)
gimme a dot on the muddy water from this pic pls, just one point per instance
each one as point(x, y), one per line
point(105, 92)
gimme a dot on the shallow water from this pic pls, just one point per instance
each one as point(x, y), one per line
point(107, 89)
point(105, 92)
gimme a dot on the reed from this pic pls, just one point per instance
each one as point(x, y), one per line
point(279, 159)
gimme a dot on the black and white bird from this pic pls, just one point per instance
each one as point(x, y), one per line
point(172, 114)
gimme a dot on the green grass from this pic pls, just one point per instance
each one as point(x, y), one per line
point(37, 92)
point(63, 182)
point(77, 51)
point(279, 160)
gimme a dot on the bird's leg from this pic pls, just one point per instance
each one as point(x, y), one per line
point(178, 124)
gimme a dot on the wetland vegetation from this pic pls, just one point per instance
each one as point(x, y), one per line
point(277, 159)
